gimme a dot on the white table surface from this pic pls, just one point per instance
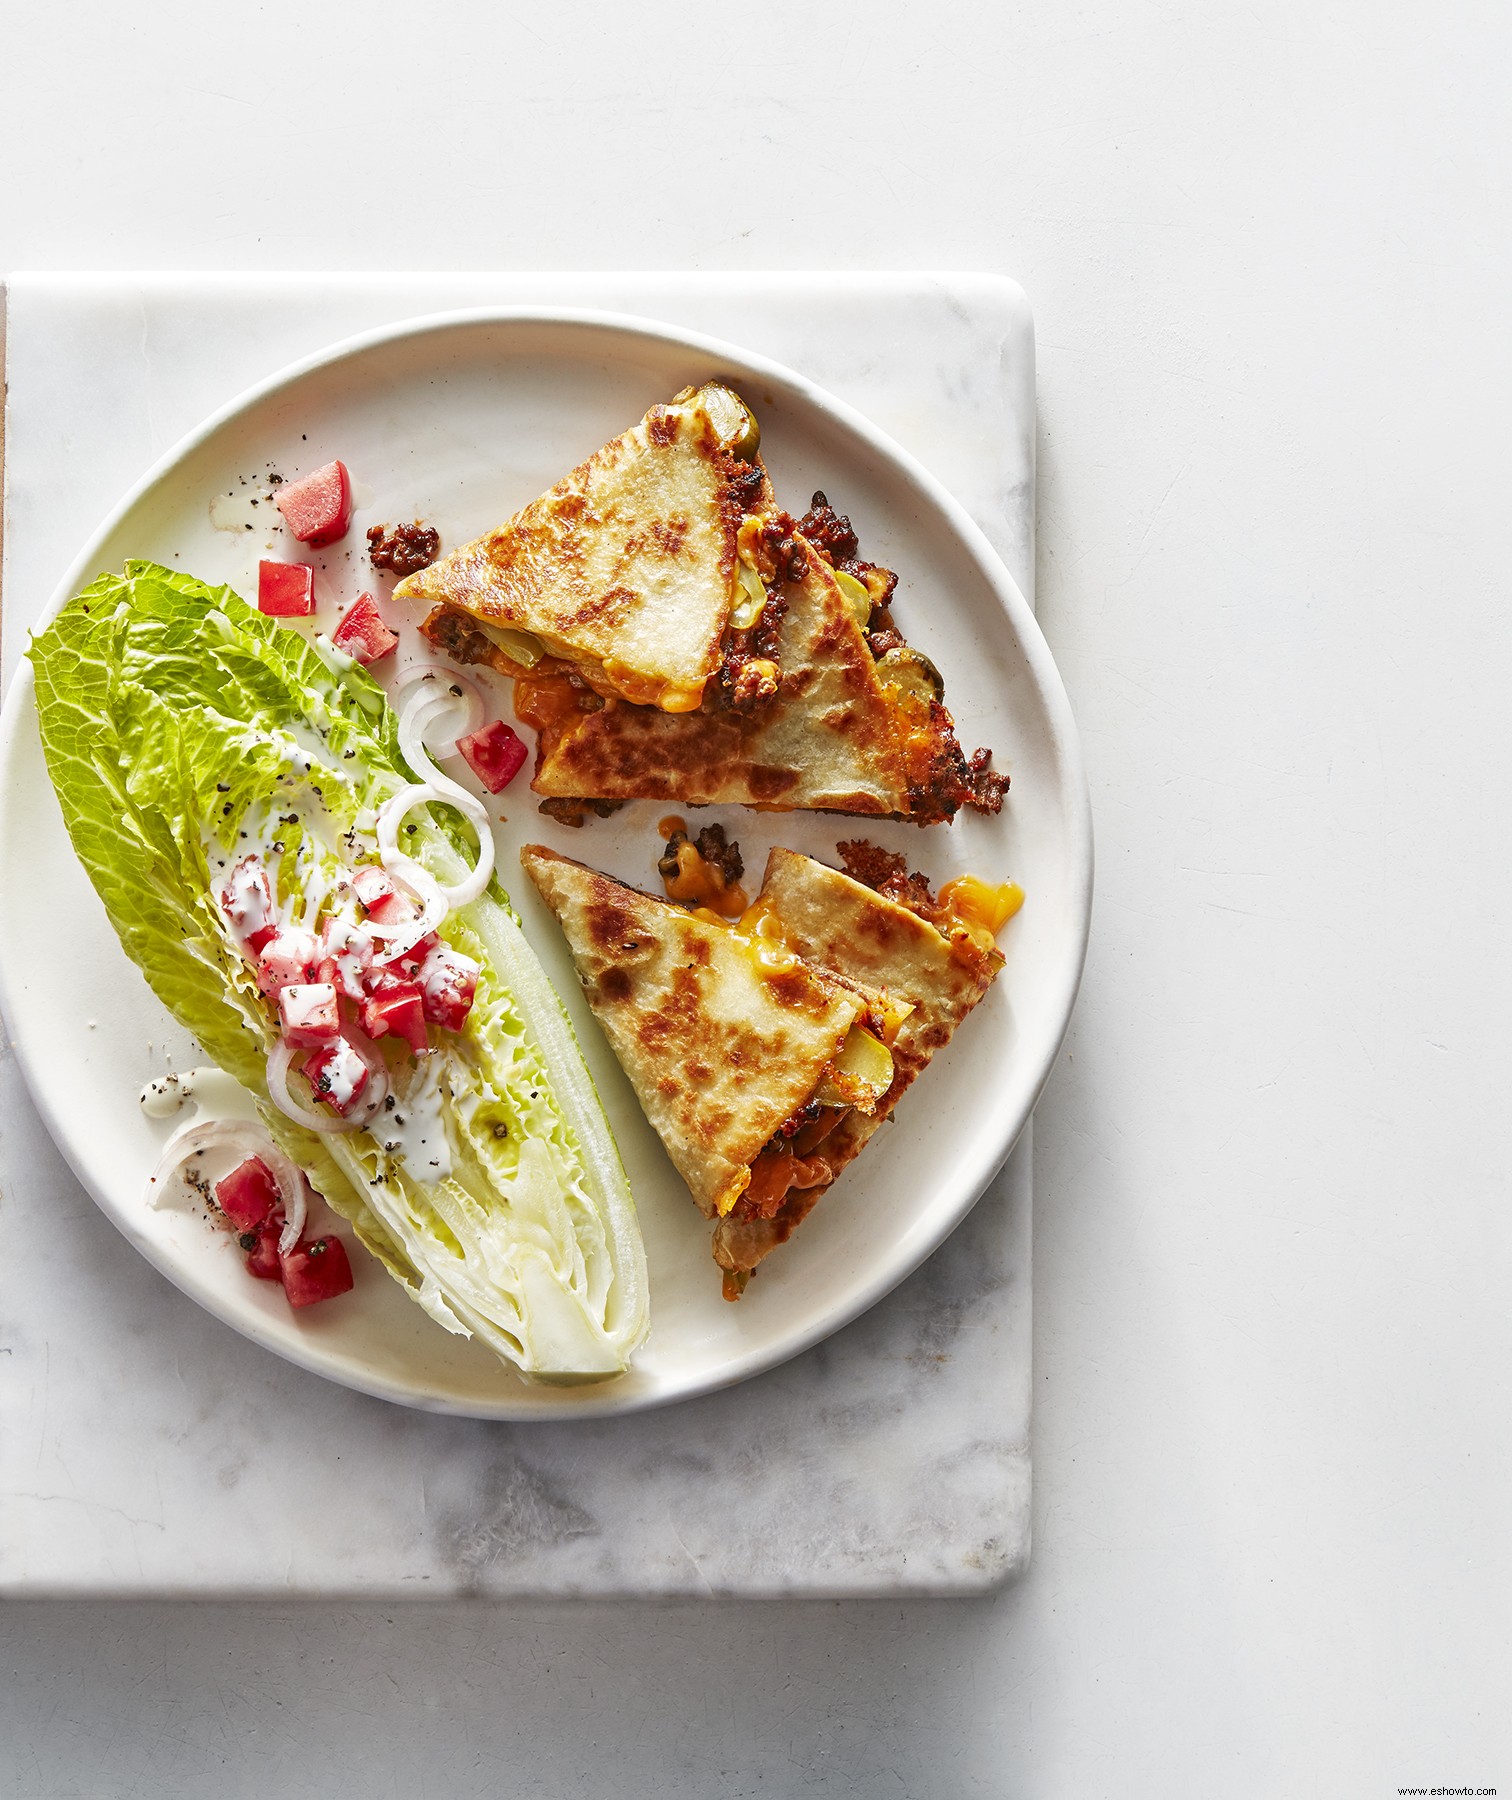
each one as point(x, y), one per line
point(1268, 253)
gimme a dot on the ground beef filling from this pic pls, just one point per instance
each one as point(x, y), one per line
point(950, 780)
point(404, 550)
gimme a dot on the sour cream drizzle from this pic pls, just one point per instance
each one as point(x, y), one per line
point(413, 1128)
point(225, 1125)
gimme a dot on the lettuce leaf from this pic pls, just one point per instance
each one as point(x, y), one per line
point(182, 726)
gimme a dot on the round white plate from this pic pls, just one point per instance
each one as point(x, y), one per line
point(459, 420)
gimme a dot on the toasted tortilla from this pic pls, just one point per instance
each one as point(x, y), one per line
point(626, 570)
point(839, 925)
point(726, 1056)
point(722, 1039)
point(838, 735)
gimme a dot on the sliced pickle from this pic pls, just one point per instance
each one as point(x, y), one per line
point(912, 672)
point(733, 421)
point(750, 597)
point(856, 597)
point(859, 1076)
point(518, 646)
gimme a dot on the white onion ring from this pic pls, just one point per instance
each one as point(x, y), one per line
point(397, 863)
point(291, 1190)
point(281, 1059)
point(418, 712)
point(404, 934)
point(235, 1134)
point(436, 680)
point(192, 1140)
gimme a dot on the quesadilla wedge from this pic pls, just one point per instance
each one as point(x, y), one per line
point(805, 693)
point(759, 1139)
point(723, 1036)
point(933, 957)
point(628, 572)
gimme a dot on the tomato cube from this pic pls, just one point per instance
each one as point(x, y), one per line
point(377, 893)
point(396, 1006)
point(495, 754)
point(247, 901)
point(317, 508)
point(285, 590)
point(448, 981)
point(408, 962)
point(248, 1196)
point(261, 1247)
point(362, 632)
point(316, 1270)
point(288, 956)
point(308, 1015)
point(347, 958)
point(338, 1075)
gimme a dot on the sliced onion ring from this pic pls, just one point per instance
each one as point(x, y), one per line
point(439, 679)
point(404, 934)
point(235, 1134)
point(397, 863)
point(193, 1140)
point(281, 1060)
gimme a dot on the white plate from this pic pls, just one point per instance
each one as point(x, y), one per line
point(460, 419)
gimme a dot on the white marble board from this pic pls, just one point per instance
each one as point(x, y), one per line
point(145, 1449)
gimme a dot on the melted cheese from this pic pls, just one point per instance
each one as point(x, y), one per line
point(548, 699)
point(980, 908)
point(701, 884)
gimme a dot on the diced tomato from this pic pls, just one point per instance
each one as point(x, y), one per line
point(408, 962)
point(316, 1270)
point(448, 981)
point(247, 901)
point(317, 508)
point(288, 956)
point(338, 1075)
point(496, 754)
point(396, 1006)
point(307, 1014)
point(378, 894)
point(347, 960)
point(261, 1247)
point(285, 590)
point(248, 1195)
point(362, 632)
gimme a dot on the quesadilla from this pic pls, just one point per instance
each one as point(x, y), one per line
point(933, 957)
point(723, 1036)
point(762, 1095)
point(811, 699)
point(629, 571)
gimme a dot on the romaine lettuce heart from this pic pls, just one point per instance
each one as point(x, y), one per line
point(179, 724)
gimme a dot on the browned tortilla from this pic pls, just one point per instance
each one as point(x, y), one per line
point(835, 737)
point(720, 1050)
point(837, 924)
point(626, 568)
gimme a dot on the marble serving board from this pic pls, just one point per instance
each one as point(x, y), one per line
point(147, 1449)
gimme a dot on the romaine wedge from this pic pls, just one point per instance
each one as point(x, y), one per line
point(180, 725)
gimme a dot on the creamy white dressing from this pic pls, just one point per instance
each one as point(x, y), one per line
point(344, 1073)
point(210, 1091)
point(412, 1126)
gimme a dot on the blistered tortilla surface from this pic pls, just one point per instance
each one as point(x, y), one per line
point(719, 1051)
point(838, 924)
point(629, 560)
point(834, 737)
